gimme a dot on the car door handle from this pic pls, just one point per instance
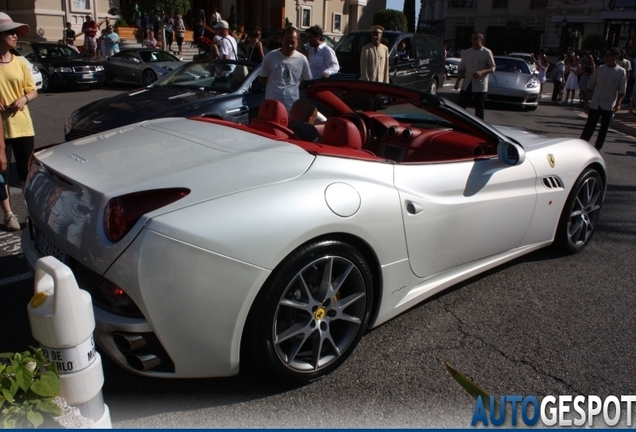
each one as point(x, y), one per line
point(413, 207)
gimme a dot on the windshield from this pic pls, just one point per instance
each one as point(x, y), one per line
point(55, 51)
point(511, 65)
point(209, 76)
point(353, 42)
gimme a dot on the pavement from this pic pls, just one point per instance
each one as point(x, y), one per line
point(624, 122)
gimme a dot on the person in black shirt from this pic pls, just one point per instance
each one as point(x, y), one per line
point(302, 117)
point(69, 37)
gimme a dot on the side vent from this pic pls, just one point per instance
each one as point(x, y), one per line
point(552, 182)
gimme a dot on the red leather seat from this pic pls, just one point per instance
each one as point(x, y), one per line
point(342, 133)
point(273, 119)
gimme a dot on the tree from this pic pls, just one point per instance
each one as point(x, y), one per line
point(169, 6)
point(391, 19)
point(231, 20)
point(409, 12)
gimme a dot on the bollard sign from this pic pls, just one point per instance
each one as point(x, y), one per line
point(72, 359)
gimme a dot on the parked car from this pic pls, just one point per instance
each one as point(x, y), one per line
point(513, 83)
point(452, 66)
point(528, 58)
point(422, 68)
point(225, 89)
point(62, 67)
point(138, 65)
point(35, 71)
point(209, 247)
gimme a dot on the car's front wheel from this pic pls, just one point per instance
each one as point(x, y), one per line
point(148, 77)
point(45, 82)
point(432, 89)
point(311, 313)
point(581, 211)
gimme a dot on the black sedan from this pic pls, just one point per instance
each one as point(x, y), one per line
point(61, 66)
point(141, 66)
point(225, 89)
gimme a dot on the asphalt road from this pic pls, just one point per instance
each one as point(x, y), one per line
point(544, 324)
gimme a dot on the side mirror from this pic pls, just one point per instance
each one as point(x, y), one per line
point(510, 153)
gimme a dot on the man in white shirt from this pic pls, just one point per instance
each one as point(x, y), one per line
point(476, 64)
point(227, 46)
point(606, 89)
point(284, 70)
point(215, 16)
point(322, 59)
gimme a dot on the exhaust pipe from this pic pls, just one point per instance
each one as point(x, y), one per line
point(128, 342)
point(143, 362)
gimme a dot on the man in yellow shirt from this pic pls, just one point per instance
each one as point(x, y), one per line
point(374, 58)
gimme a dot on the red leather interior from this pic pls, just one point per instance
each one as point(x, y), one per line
point(341, 133)
point(438, 145)
point(273, 119)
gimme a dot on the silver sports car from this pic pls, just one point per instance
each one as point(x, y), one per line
point(513, 83)
point(209, 246)
point(141, 66)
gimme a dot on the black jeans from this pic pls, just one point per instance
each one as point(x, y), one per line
point(592, 119)
point(556, 93)
point(464, 98)
point(22, 148)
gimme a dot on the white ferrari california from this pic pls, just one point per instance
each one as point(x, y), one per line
point(209, 246)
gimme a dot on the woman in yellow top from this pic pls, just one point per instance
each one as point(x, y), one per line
point(17, 89)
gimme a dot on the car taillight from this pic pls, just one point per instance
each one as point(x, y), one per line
point(114, 299)
point(124, 211)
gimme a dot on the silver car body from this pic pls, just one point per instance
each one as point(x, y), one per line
point(194, 267)
point(513, 83)
point(140, 66)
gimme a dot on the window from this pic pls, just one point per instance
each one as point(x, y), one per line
point(337, 23)
point(538, 4)
point(462, 4)
point(81, 5)
point(500, 4)
point(306, 18)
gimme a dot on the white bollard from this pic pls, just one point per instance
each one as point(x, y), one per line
point(62, 321)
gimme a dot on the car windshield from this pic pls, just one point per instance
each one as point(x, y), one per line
point(400, 109)
point(511, 65)
point(209, 76)
point(56, 51)
point(157, 56)
point(353, 42)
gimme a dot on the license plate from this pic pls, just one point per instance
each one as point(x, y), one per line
point(87, 76)
point(46, 246)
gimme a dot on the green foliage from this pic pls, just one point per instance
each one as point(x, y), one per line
point(594, 42)
point(231, 20)
point(121, 23)
point(409, 13)
point(168, 6)
point(28, 384)
point(391, 19)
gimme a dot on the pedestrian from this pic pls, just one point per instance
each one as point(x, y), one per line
point(69, 37)
point(112, 41)
point(215, 17)
point(542, 65)
point(558, 79)
point(227, 46)
point(150, 41)
point(627, 65)
point(168, 26)
point(255, 47)
point(199, 24)
point(587, 69)
point(179, 33)
point(17, 89)
point(284, 69)
point(477, 63)
point(322, 59)
point(374, 58)
point(572, 81)
point(609, 85)
point(89, 28)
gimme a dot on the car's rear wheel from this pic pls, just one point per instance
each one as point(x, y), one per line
point(432, 89)
point(148, 77)
point(580, 213)
point(45, 82)
point(311, 313)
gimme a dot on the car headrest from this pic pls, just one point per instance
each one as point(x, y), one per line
point(342, 133)
point(273, 111)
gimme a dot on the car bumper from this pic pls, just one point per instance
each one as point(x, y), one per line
point(77, 79)
point(513, 97)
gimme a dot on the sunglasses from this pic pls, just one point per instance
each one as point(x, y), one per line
point(11, 32)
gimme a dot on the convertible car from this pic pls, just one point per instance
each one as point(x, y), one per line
point(209, 246)
point(141, 66)
point(225, 89)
